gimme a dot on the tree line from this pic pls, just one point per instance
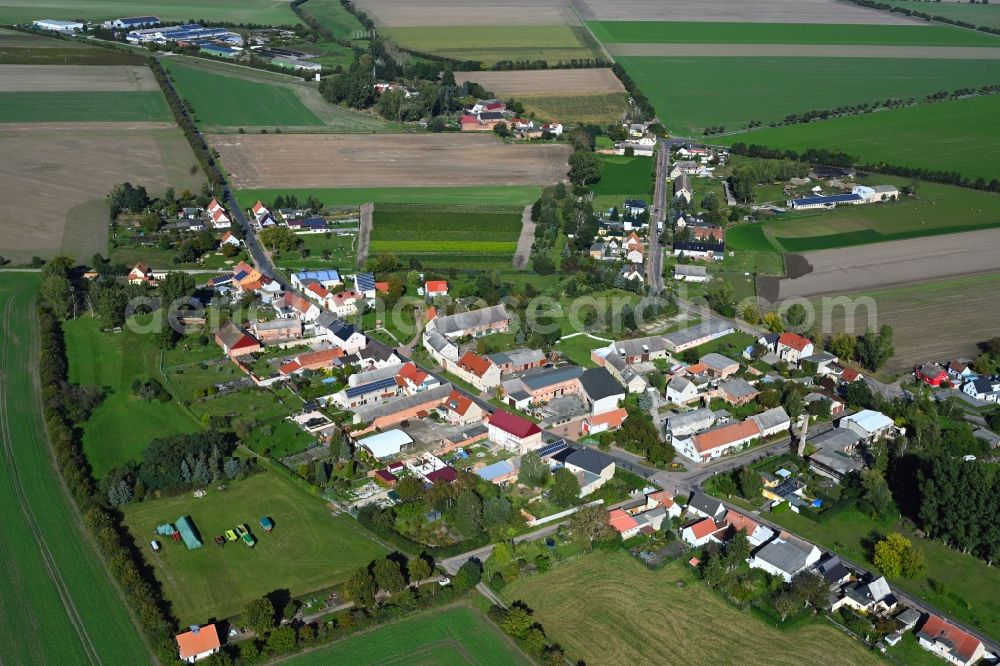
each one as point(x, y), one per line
point(884, 6)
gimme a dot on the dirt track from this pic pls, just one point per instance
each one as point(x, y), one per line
point(806, 51)
point(48, 78)
point(545, 81)
point(894, 263)
point(383, 160)
point(525, 240)
point(739, 11)
point(428, 13)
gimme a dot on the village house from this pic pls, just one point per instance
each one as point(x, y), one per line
point(329, 279)
point(681, 391)
point(705, 506)
point(757, 534)
point(872, 596)
point(473, 323)
point(623, 523)
point(198, 643)
point(617, 367)
point(688, 423)
point(592, 469)
point(836, 455)
point(342, 335)
point(435, 288)
point(291, 305)
point(597, 423)
point(364, 283)
point(143, 274)
point(279, 330)
point(720, 366)
point(983, 388)
point(737, 392)
point(344, 303)
point(682, 188)
point(790, 347)
point(931, 374)
point(544, 384)
point(960, 370)
point(459, 409)
point(501, 472)
point(697, 335)
point(384, 415)
point(701, 532)
point(682, 167)
point(386, 445)
point(869, 425)
point(634, 272)
point(706, 250)
point(949, 642)
point(476, 370)
point(518, 360)
point(229, 239)
point(685, 273)
point(718, 441)
point(772, 421)
point(220, 219)
point(325, 359)
point(785, 556)
point(235, 341)
point(513, 432)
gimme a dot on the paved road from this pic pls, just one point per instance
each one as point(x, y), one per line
point(657, 218)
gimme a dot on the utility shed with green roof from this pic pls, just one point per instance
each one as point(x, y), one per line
point(188, 532)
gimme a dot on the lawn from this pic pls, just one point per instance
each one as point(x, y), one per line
point(308, 550)
point(355, 196)
point(449, 637)
point(985, 14)
point(687, 32)
point(49, 571)
point(333, 16)
point(970, 584)
point(581, 108)
point(935, 209)
point(272, 12)
point(122, 426)
point(664, 617)
point(343, 253)
point(624, 175)
point(82, 106)
point(218, 99)
point(911, 137)
point(492, 43)
point(577, 349)
point(691, 93)
point(445, 236)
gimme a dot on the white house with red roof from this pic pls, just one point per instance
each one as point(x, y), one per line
point(141, 274)
point(460, 409)
point(345, 303)
point(413, 380)
point(790, 347)
point(702, 531)
point(513, 432)
point(623, 523)
point(293, 305)
point(435, 288)
point(229, 239)
point(198, 643)
point(718, 441)
point(220, 219)
point(477, 370)
point(949, 642)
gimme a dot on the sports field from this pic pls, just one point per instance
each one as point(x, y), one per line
point(980, 13)
point(386, 160)
point(66, 203)
point(657, 617)
point(686, 32)
point(938, 136)
point(269, 12)
point(122, 426)
point(57, 602)
point(934, 210)
point(624, 175)
point(447, 236)
point(355, 196)
point(492, 43)
point(308, 550)
point(691, 93)
point(969, 303)
point(453, 636)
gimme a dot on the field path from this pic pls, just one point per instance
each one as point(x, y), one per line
point(365, 231)
point(806, 51)
point(525, 240)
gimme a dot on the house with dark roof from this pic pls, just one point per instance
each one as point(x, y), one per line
point(600, 390)
point(786, 556)
point(868, 596)
point(701, 504)
point(592, 469)
point(712, 250)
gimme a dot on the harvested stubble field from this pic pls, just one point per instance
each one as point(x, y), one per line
point(910, 137)
point(545, 81)
point(266, 12)
point(63, 173)
point(576, 108)
point(355, 196)
point(375, 160)
point(447, 236)
point(405, 13)
point(493, 43)
point(55, 78)
point(970, 304)
point(741, 11)
point(879, 265)
point(654, 626)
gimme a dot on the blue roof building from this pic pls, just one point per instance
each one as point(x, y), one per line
point(135, 22)
point(328, 279)
point(188, 532)
point(365, 283)
point(498, 472)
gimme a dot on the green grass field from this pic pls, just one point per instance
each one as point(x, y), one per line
point(218, 99)
point(492, 43)
point(332, 15)
point(624, 175)
point(577, 349)
point(663, 617)
point(57, 601)
point(600, 108)
point(966, 578)
point(521, 195)
point(692, 93)
point(686, 32)
point(82, 106)
point(981, 13)
point(122, 426)
point(447, 236)
point(938, 136)
point(450, 637)
point(269, 12)
point(308, 550)
point(935, 209)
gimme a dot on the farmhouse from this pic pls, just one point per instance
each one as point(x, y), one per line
point(718, 441)
point(477, 370)
point(459, 409)
point(473, 323)
point(877, 193)
point(544, 384)
point(691, 273)
point(235, 341)
point(949, 642)
point(592, 469)
point(700, 250)
point(387, 414)
point(513, 432)
point(688, 423)
point(435, 288)
point(518, 360)
point(132, 22)
point(279, 330)
point(198, 643)
point(694, 336)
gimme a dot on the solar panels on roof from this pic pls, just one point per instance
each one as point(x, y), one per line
point(552, 449)
point(379, 385)
point(364, 282)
